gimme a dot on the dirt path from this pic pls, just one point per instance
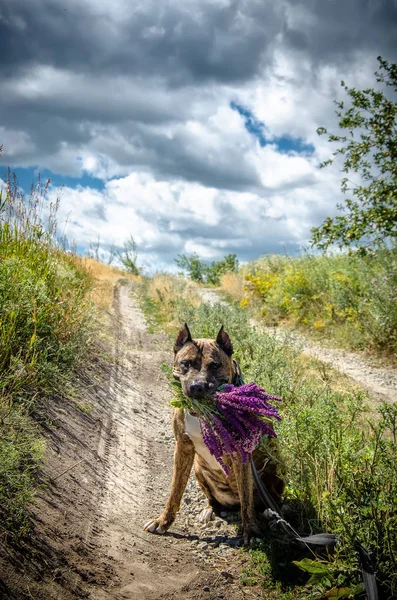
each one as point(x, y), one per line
point(381, 382)
point(108, 471)
point(139, 472)
point(191, 561)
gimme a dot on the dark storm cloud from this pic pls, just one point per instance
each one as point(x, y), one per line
point(188, 42)
point(331, 31)
point(211, 41)
point(140, 65)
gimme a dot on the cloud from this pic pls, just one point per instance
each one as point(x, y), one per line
point(168, 218)
point(199, 117)
point(189, 41)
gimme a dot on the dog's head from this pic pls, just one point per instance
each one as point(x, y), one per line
point(203, 365)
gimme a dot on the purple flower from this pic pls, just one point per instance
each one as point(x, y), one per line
point(239, 421)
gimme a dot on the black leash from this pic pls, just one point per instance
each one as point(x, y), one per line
point(324, 540)
point(328, 540)
point(367, 564)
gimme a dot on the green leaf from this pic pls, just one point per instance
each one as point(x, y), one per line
point(312, 566)
point(320, 578)
point(177, 403)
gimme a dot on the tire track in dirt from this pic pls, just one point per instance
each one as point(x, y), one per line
point(140, 404)
point(138, 451)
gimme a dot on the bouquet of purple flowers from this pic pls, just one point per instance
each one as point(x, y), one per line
point(235, 421)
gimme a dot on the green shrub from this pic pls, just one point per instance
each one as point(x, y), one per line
point(349, 298)
point(44, 326)
point(198, 270)
point(342, 472)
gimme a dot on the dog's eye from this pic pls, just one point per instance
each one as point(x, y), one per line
point(185, 364)
point(214, 365)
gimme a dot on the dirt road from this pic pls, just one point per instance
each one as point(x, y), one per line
point(139, 474)
point(108, 470)
point(380, 381)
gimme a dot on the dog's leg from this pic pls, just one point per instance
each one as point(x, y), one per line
point(245, 485)
point(183, 461)
point(213, 508)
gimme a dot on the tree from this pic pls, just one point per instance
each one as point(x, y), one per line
point(198, 270)
point(128, 256)
point(195, 267)
point(218, 268)
point(369, 149)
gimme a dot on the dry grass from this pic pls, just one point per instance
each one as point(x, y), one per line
point(104, 278)
point(164, 287)
point(165, 291)
point(233, 285)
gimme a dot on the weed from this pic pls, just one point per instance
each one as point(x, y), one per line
point(45, 325)
point(349, 298)
point(342, 473)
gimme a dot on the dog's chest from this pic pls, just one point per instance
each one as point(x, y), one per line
point(193, 430)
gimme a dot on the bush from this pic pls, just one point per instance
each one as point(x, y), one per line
point(349, 298)
point(45, 317)
point(198, 270)
point(164, 294)
point(342, 473)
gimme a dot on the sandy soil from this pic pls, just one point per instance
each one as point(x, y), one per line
point(107, 472)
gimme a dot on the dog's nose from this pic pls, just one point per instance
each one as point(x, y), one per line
point(198, 387)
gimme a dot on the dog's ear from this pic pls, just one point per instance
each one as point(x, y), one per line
point(184, 336)
point(223, 340)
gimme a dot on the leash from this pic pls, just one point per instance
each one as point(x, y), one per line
point(325, 540)
point(328, 540)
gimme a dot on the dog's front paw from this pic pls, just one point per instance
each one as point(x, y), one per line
point(156, 526)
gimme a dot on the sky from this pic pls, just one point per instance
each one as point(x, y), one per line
point(188, 124)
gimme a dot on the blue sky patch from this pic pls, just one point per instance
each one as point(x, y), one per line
point(284, 144)
point(26, 176)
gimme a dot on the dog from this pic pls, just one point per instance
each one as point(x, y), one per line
point(202, 365)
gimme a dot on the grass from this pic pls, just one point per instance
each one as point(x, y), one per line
point(46, 318)
point(350, 299)
point(163, 293)
point(104, 279)
point(342, 473)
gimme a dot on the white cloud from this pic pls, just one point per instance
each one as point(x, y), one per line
point(139, 95)
point(170, 217)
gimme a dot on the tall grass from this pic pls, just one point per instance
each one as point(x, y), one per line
point(104, 279)
point(342, 472)
point(163, 295)
point(351, 299)
point(45, 317)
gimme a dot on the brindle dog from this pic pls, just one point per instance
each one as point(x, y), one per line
point(203, 365)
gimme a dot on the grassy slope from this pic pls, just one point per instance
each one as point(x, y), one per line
point(342, 475)
point(349, 299)
point(47, 318)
